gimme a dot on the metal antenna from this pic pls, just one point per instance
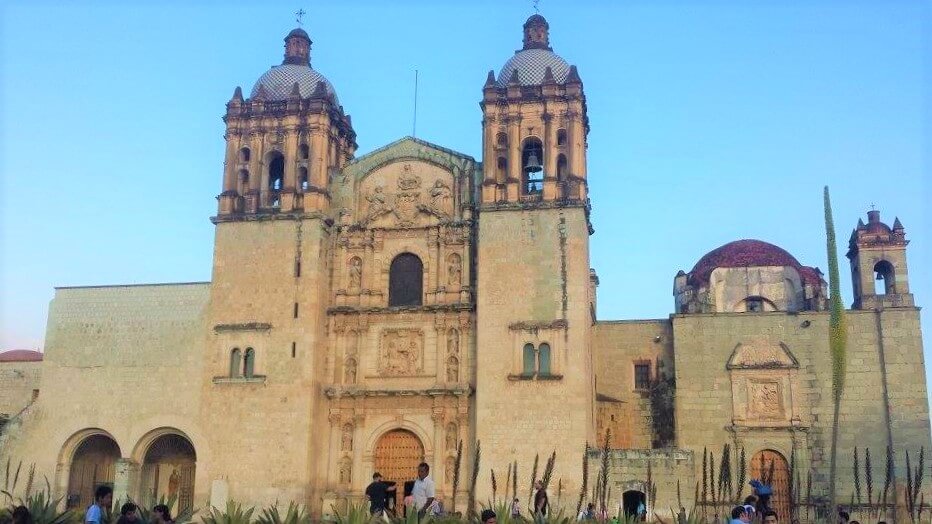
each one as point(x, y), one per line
point(299, 14)
point(414, 128)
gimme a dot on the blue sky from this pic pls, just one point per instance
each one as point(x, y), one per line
point(711, 121)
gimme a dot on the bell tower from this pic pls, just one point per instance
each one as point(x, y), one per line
point(266, 342)
point(534, 366)
point(878, 264)
point(284, 142)
point(534, 126)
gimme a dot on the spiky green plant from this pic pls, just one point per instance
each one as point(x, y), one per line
point(494, 487)
point(295, 514)
point(838, 339)
point(533, 477)
point(477, 455)
point(705, 478)
point(548, 470)
point(869, 476)
point(456, 472)
point(183, 516)
point(603, 472)
point(585, 478)
point(235, 513)
point(742, 475)
point(514, 481)
point(889, 472)
point(857, 476)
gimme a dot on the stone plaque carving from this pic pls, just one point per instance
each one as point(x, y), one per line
point(400, 352)
point(765, 400)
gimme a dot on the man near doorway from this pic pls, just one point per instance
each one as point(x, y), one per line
point(770, 517)
point(541, 502)
point(377, 493)
point(96, 512)
point(423, 491)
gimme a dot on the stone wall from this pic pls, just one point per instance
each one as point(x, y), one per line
point(533, 288)
point(671, 475)
point(616, 347)
point(725, 396)
point(19, 385)
point(121, 361)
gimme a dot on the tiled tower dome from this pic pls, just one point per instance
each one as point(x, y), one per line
point(531, 62)
point(278, 82)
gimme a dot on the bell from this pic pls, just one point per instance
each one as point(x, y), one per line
point(533, 164)
point(879, 275)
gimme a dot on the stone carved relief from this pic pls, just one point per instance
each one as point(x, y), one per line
point(761, 354)
point(765, 400)
point(400, 352)
point(410, 200)
point(453, 343)
point(355, 273)
point(346, 471)
point(346, 439)
point(454, 270)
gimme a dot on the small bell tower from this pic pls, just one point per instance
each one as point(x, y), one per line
point(534, 126)
point(878, 264)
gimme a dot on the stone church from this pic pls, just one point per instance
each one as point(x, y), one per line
point(369, 312)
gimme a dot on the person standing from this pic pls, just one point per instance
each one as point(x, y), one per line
point(128, 514)
point(377, 493)
point(515, 509)
point(103, 498)
point(162, 514)
point(739, 515)
point(21, 515)
point(423, 491)
point(541, 501)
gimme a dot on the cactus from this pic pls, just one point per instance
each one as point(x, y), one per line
point(838, 338)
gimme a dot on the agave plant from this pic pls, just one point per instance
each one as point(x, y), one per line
point(42, 507)
point(296, 514)
point(234, 513)
point(554, 516)
point(358, 513)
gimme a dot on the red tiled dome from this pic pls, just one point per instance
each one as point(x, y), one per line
point(741, 253)
point(21, 355)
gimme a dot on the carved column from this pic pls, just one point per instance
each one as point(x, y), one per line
point(291, 160)
point(550, 159)
point(125, 479)
point(514, 158)
point(255, 169)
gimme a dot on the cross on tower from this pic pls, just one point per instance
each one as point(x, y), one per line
point(299, 14)
point(535, 6)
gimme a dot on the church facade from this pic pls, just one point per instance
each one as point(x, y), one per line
point(369, 313)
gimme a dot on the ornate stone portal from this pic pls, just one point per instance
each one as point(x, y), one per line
point(401, 352)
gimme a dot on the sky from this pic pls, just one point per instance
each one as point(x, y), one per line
point(711, 121)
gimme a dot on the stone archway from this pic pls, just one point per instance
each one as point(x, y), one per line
point(631, 500)
point(397, 454)
point(93, 464)
point(168, 472)
point(770, 467)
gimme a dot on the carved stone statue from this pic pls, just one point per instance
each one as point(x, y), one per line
point(441, 198)
point(173, 482)
point(451, 437)
point(355, 273)
point(453, 343)
point(349, 373)
point(453, 369)
point(448, 469)
point(454, 270)
point(346, 441)
point(400, 353)
point(378, 203)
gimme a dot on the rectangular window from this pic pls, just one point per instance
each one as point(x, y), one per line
point(295, 310)
point(642, 376)
point(297, 268)
point(294, 349)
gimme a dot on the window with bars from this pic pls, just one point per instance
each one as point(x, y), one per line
point(642, 375)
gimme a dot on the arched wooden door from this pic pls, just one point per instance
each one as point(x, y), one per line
point(397, 454)
point(92, 465)
point(168, 471)
point(770, 467)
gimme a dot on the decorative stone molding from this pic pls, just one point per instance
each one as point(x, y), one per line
point(248, 326)
point(454, 390)
point(537, 326)
point(762, 355)
point(255, 379)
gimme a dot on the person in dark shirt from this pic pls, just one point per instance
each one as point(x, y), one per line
point(377, 493)
point(541, 502)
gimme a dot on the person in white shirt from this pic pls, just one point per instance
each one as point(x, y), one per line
point(423, 491)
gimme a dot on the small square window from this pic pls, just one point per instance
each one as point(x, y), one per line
point(641, 376)
point(754, 305)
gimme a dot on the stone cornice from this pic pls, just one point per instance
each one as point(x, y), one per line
point(432, 308)
point(457, 390)
point(261, 216)
point(247, 326)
